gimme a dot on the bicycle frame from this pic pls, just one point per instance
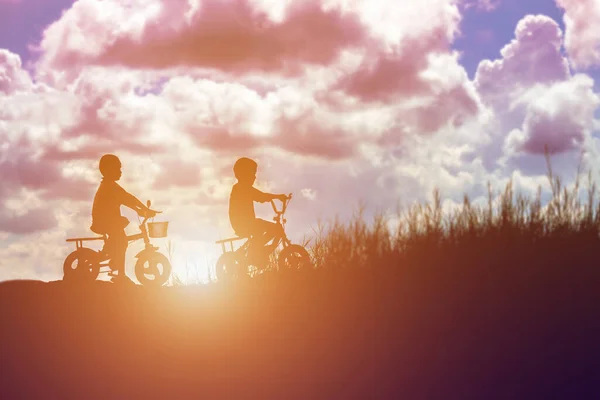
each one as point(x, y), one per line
point(278, 218)
point(281, 221)
point(103, 262)
point(142, 235)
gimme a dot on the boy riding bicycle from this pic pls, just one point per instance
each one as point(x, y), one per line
point(106, 213)
point(241, 211)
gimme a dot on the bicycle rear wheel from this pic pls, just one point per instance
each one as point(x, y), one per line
point(82, 265)
point(228, 267)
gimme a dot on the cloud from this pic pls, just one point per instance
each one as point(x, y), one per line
point(236, 36)
point(275, 39)
point(230, 118)
point(582, 38)
point(389, 71)
point(32, 221)
point(388, 75)
point(559, 117)
point(43, 178)
point(535, 99)
point(482, 5)
point(315, 135)
point(29, 121)
point(532, 57)
point(452, 99)
point(12, 76)
point(178, 173)
point(94, 149)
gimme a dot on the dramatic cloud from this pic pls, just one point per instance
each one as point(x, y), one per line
point(237, 36)
point(535, 99)
point(390, 59)
point(558, 118)
point(582, 38)
point(533, 57)
point(388, 75)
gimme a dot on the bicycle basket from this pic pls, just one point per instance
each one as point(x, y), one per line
point(157, 229)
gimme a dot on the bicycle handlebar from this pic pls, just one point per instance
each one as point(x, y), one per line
point(146, 217)
point(285, 203)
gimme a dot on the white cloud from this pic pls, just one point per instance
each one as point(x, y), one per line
point(559, 117)
point(582, 38)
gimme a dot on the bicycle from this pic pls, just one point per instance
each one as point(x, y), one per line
point(234, 263)
point(85, 264)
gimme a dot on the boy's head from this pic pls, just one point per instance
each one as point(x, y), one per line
point(110, 167)
point(244, 170)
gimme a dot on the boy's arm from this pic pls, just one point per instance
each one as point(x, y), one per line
point(132, 202)
point(263, 197)
point(129, 200)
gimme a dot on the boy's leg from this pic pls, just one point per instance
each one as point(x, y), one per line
point(271, 231)
point(118, 247)
point(263, 233)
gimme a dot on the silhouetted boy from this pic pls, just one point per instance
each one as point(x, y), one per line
point(241, 209)
point(106, 213)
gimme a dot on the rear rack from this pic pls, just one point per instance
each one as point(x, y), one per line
point(79, 241)
point(230, 241)
point(86, 239)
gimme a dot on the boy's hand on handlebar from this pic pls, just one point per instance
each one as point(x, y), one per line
point(147, 213)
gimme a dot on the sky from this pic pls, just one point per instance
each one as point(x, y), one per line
point(341, 102)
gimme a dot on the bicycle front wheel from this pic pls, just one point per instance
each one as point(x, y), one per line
point(294, 258)
point(152, 269)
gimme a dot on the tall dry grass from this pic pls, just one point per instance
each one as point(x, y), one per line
point(511, 226)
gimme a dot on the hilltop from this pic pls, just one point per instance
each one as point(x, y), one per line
point(450, 332)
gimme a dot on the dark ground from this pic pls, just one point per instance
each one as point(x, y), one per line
point(492, 332)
